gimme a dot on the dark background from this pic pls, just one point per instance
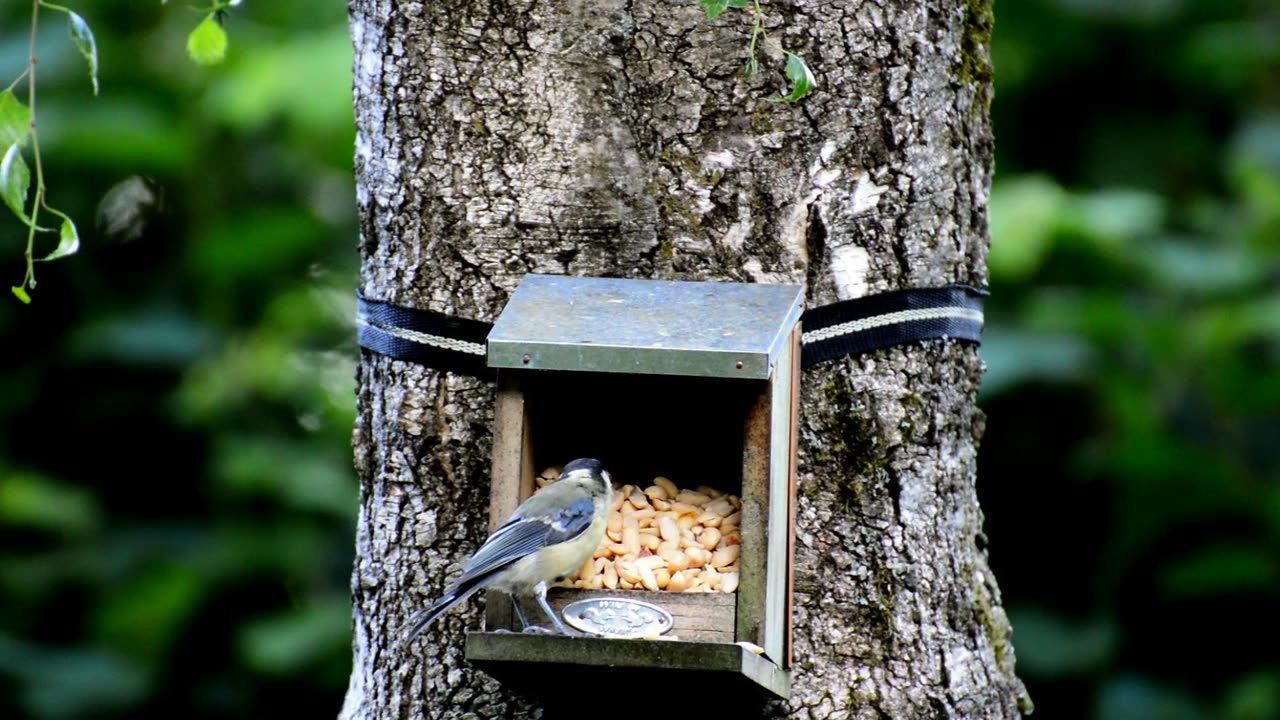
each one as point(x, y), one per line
point(176, 494)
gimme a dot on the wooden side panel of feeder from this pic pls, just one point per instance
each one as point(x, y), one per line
point(794, 442)
point(778, 564)
point(698, 617)
point(755, 496)
point(763, 613)
point(511, 477)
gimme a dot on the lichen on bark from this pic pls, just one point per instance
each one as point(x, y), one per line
point(619, 138)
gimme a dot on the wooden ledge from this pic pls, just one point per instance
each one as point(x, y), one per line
point(537, 665)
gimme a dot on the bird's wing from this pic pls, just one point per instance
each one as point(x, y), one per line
point(571, 521)
point(521, 536)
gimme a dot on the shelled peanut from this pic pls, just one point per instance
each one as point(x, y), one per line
point(661, 537)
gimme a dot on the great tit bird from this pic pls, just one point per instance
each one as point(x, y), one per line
point(548, 537)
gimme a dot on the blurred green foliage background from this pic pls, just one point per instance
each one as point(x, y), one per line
point(176, 494)
point(1130, 472)
point(177, 498)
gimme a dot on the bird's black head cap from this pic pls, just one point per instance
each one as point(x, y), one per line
point(590, 464)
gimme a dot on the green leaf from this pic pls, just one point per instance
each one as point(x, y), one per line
point(40, 503)
point(752, 67)
point(147, 612)
point(714, 7)
point(207, 44)
point(15, 179)
point(21, 293)
point(1222, 569)
point(82, 36)
point(1059, 647)
point(739, 3)
point(15, 120)
point(293, 640)
point(68, 240)
point(1025, 213)
point(802, 82)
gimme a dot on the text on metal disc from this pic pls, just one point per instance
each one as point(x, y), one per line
point(618, 617)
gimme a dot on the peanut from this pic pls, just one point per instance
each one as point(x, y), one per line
point(638, 500)
point(707, 519)
point(631, 535)
point(647, 579)
point(711, 578)
point(677, 560)
point(660, 537)
point(663, 576)
point(653, 562)
point(731, 521)
point(719, 506)
point(698, 556)
point(667, 485)
point(725, 556)
point(678, 582)
point(656, 492)
point(627, 571)
point(690, 497)
point(667, 526)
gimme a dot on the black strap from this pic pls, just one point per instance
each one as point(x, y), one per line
point(852, 327)
point(431, 338)
point(849, 327)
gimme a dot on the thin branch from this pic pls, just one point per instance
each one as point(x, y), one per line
point(38, 200)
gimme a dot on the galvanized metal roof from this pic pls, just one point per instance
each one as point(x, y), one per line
point(662, 327)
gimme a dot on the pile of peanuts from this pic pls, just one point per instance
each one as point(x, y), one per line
point(664, 538)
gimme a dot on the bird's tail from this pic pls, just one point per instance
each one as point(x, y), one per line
point(426, 616)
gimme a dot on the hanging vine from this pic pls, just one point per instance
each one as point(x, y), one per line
point(207, 45)
point(795, 68)
point(20, 138)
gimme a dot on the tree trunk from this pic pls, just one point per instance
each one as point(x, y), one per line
point(619, 138)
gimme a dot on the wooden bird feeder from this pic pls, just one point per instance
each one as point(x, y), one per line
point(695, 381)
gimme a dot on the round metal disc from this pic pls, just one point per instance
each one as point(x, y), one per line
point(618, 617)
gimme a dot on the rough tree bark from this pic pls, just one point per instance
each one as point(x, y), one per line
point(618, 138)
